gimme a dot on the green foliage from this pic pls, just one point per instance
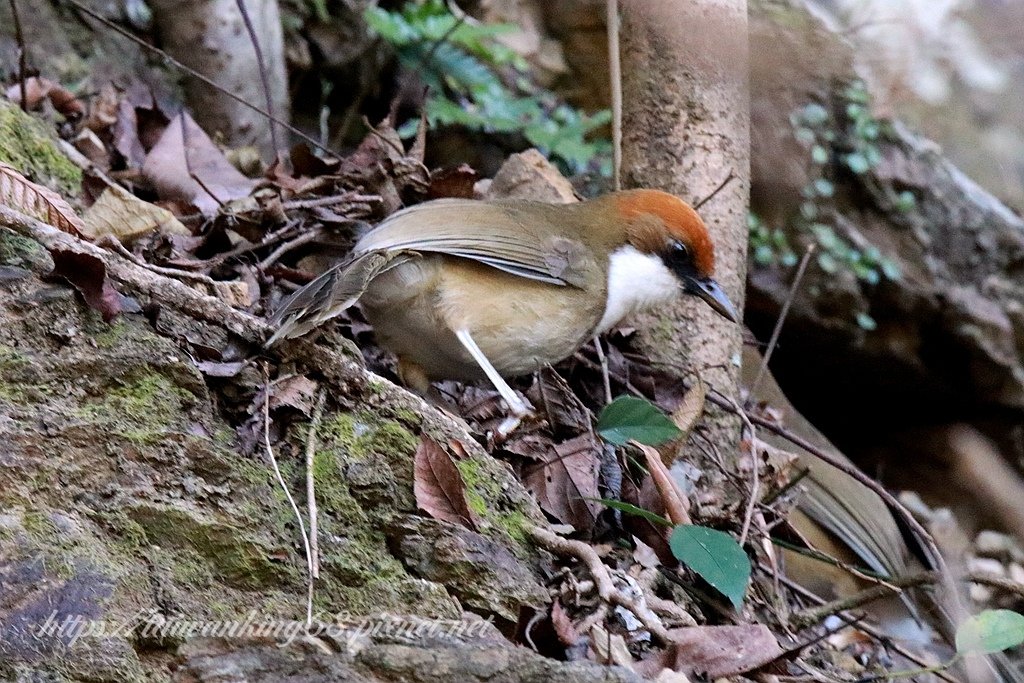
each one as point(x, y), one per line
point(628, 418)
point(769, 246)
point(842, 140)
point(480, 84)
point(633, 510)
point(716, 557)
point(990, 631)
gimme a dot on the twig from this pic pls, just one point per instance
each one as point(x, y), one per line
point(314, 540)
point(143, 282)
point(721, 186)
point(814, 615)
point(262, 67)
point(344, 198)
point(602, 578)
point(755, 478)
point(605, 376)
point(782, 319)
point(111, 242)
point(188, 163)
point(924, 537)
point(22, 55)
point(865, 627)
point(195, 74)
point(298, 241)
point(83, 162)
point(284, 487)
point(615, 76)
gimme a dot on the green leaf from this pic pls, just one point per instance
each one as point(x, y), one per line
point(890, 268)
point(628, 418)
point(819, 154)
point(632, 510)
point(905, 201)
point(994, 630)
point(763, 255)
point(824, 187)
point(814, 114)
point(827, 263)
point(858, 163)
point(716, 557)
point(866, 322)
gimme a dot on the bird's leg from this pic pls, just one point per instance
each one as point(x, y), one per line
point(516, 404)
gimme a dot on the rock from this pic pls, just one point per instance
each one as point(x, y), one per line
point(528, 175)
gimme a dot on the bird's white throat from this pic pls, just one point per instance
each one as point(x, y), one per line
point(635, 281)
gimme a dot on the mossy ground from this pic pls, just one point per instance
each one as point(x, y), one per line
point(30, 147)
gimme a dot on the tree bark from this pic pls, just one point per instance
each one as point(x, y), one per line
point(210, 36)
point(685, 130)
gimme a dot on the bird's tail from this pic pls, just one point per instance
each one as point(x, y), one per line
point(331, 293)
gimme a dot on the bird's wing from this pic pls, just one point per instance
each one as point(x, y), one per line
point(331, 293)
point(495, 234)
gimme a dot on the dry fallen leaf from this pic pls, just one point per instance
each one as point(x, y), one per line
point(120, 213)
point(88, 275)
point(37, 89)
point(677, 505)
point(184, 150)
point(712, 652)
point(565, 485)
point(564, 628)
point(438, 485)
point(21, 194)
point(686, 415)
point(297, 391)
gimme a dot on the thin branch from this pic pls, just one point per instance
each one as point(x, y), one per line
point(606, 589)
point(261, 65)
point(284, 487)
point(755, 480)
point(314, 427)
point(22, 55)
point(195, 74)
point(721, 186)
point(615, 76)
point(605, 374)
point(781, 321)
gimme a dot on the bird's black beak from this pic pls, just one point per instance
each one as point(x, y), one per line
point(714, 295)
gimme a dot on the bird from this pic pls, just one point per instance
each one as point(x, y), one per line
point(469, 290)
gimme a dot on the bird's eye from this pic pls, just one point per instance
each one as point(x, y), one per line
point(680, 250)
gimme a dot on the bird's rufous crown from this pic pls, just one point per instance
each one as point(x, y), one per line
point(679, 220)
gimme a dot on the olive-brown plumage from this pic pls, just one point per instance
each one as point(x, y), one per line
point(463, 289)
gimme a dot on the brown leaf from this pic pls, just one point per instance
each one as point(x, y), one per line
point(438, 485)
point(297, 391)
point(455, 182)
point(565, 485)
point(103, 110)
point(88, 275)
point(564, 628)
point(714, 652)
point(184, 151)
point(37, 89)
point(126, 135)
point(677, 505)
point(556, 400)
point(21, 194)
point(120, 213)
point(690, 409)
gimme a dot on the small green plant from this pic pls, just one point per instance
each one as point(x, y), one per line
point(713, 555)
point(845, 138)
point(478, 83)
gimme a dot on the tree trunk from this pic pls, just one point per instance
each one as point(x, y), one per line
point(685, 130)
point(210, 36)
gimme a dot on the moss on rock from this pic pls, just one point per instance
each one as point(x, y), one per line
point(30, 147)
